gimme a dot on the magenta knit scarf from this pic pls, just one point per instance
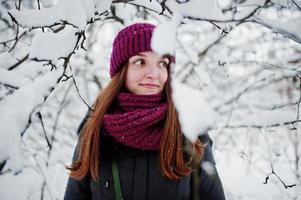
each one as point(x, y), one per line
point(137, 120)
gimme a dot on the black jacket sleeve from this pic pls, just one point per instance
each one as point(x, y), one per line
point(78, 189)
point(210, 184)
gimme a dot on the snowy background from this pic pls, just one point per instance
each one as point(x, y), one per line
point(237, 73)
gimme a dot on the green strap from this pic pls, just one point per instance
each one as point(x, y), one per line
point(116, 179)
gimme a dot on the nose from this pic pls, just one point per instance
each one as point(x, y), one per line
point(153, 72)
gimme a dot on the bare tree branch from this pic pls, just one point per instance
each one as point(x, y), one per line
point(261, 126)
point(278, 177)
point(44, 130)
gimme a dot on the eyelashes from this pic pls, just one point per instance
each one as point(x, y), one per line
point(165, 64)
point(142, 62)
point(139, 61)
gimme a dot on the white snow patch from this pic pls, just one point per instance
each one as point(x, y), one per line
point(195, 114)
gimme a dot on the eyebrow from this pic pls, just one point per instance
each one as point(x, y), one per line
point(140, 54)
point(162, 57)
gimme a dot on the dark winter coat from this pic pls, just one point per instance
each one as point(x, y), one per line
point(140, 177)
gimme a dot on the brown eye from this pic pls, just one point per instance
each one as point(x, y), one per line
point(163, 64)
point(139, 62)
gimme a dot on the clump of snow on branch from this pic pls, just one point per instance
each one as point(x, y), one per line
point(154, 5)
point(67, 10)
point(52, 46)
point(200, 8)
point(289, 28)
point(215, 9)
point(6, 60)
point(13, 78)
point(15, 112)
point(75, 12)
point(195, 114)
point(164, 36)
point(193, 56)
point(224, 4)
point(102, 6)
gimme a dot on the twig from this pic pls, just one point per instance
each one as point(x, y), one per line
point(237, 96)
point(19, 5)
point(278, 177)
point(262, 126)
point(16, 39)
point(296, 5)
point(230, 20)
point(43, 175)
point(76, 87)
point(299, 101)
point(44, 131)
point(20, 62)
point(28, 122)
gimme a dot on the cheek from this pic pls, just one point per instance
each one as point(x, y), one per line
point(129, 81)
point(163, 77)
point(132, 78)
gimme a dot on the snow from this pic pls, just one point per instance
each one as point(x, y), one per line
point(194, 112)
point(164, 36)
point(208, 167)
point(103, 5)
point(15, 112)
point(243, 155)
point(193, 56)
point(266, 118)
point(203, 9)
point(125, 11)
point(288, 28)
point(52, 46)
point(23, 186)
point(153, 5)
point(32, 69)
point(73, 11)
point(224, 4)
point(7, 60)
point(285, 2)
point(12, 78)
point(47, 175)
point(88, 7)
point(200, 9)
point(243, 169)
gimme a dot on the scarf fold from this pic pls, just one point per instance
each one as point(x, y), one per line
point(137, 120)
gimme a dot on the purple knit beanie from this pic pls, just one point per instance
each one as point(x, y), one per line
point(130, 41)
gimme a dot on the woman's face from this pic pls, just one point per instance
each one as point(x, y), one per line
point(146, 73)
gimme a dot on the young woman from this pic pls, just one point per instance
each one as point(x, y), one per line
point(131, 145)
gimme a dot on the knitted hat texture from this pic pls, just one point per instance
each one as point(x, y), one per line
point(130, 41)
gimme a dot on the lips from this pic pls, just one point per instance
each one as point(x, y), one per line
point(149, 85)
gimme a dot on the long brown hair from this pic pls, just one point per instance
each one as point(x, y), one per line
point(172, 161)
